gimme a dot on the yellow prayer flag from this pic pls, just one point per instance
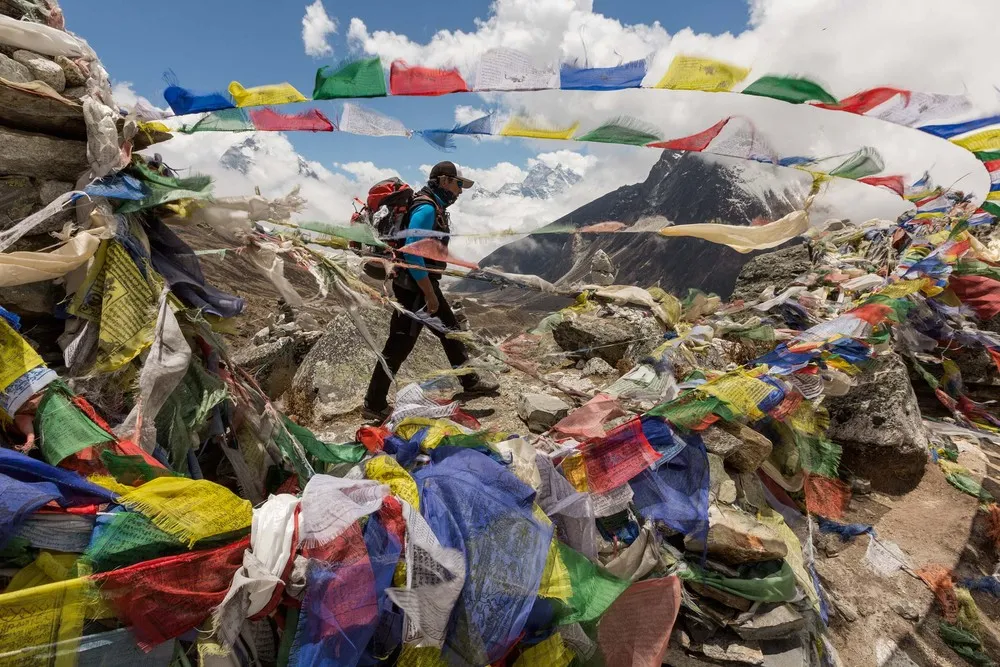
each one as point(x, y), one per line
point(695, 73)
point(555, 582)
point(16, 356)
point(552, 652)
point(794, 558)
point(420, 656)
point(41, 625)
point(741, 392)
point(153, 126)
point(437, 430)
point(902, 288)
point(278, 93)
point(521, 127)
point(386, 470)
point(190, 509)
point(575, 470)
point(994, 196)
point(988, 140)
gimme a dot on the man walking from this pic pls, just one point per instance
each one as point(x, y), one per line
point(416, 288)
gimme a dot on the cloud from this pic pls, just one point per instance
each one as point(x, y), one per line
point(126, 98)
point(366, 172)
point(491, 178)
point(571, 160)
point(316, 26)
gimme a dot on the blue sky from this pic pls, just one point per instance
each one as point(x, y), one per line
point(210, 43)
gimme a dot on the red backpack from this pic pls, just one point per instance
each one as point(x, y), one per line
point(386, 211)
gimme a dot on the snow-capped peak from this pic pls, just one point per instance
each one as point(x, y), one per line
point(243, 156)
point(542, 182)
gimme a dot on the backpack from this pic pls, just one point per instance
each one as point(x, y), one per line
point(387, 211)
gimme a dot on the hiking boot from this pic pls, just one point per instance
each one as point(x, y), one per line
point(376, 414)
point(481, 387)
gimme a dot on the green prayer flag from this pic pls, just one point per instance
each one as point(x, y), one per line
point(991, 208)
point(966, 484)
point(324, 451)
point(622, 131)
point(965, 644)
point(770, 581)
point(818, 455)
point(163, 189)
point(227, 120)
point(361, 78)
point(987, 156)
point(132, 470)
point(129, 538)
point(63, 428)
point(594, 589)
point(789, 89)
point(361, 233)
point(865, 162)
point(186, 411)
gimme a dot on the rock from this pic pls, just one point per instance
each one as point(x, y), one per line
point(602, 271)
point(843, 607)
point(736, 537)
point(272, 364)
point(40, 156)
point(333, 376)
point(879, 425)
point(861, 486)
point(42, 69)
point(32, 299)
point(750, 492)
point(18, 199)
point(261, 336)
point(14, 71)
point(75, 93)
point(754, 450)
point(74, 75)
point(786, 653)
point(721, 487)
point(720, 442)
point(590, 336)
point(49, 191)
point(776, 623)
point(732, 651)
point(598, 366)
point(541, 411)
point(733, 601)
point(779, 269)
point(907, 610)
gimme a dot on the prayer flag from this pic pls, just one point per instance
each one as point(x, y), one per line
point(407, 80)
point(228, 120)
point(626, 75)
point(955, 129)
point(789, 89)
point(361, 78)
point(312, 120)
point(865, 101)
point(360, 120)
point(894, 183)
point(695, 142)
point(507, 69)
point(695, 73)
point(183, 101)
point(981, 141)
point(521, 127)
point(622, 130)
point(278, 93)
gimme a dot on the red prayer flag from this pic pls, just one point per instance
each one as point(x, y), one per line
point(406, 80)
point(269, 120)
point(865, 101)
point(636, 628)
point(434, 249)
point(980, 293)
point(894, 183)
point(826, 497)
point(617, 457)
point(164, 598)
point(992, 165)
point(694, 142)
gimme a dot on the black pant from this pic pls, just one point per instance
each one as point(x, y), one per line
point(403, 334)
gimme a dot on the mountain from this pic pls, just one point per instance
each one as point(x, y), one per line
point(243, 156)
point(542, 182)
point(683, 187)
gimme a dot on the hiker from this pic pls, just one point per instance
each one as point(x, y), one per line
point(417, 289)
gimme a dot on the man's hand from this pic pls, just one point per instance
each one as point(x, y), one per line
point(430, 297)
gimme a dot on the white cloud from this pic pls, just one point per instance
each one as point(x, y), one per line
point(492, 178)
point(466, 114)
point(127, 98)
point(571, 160)
point(316, 26)
point(366, 172)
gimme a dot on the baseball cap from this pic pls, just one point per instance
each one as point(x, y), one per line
point(447, 168)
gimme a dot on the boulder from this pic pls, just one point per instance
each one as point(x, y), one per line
point(753, 450)
point(74, 75)
point(778, 269)
point(602, 271)
point(735, 537)
point(598, 366)
point(720, 442)
point(272, 364)
point(721, 487)
point(540, 411)
point(879, 425)
point(75, 93)
point(589, 336)
point(42, 69)
point(40, 156)
point(32, 299)
point(14, 71)
point(18, 199)
point(333, 376)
